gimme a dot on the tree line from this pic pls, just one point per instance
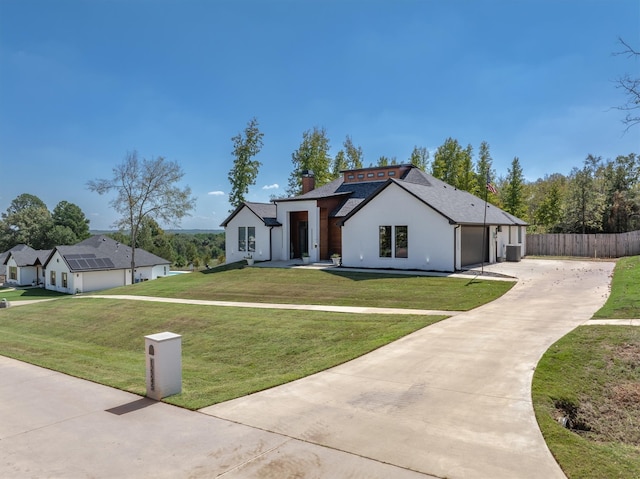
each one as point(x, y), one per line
point(29, 221)
point(184, 250)
point(600, 196)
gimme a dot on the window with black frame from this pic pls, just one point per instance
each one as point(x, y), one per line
point(251, 230)
point(402, 242)
point(242, 238)
point(385, 241)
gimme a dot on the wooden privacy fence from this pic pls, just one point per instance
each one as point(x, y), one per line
point(588, 245)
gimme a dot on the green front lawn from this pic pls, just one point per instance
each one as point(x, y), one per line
point(230, 352)
point(11, 294)
point(328, 287)
point(227, 352)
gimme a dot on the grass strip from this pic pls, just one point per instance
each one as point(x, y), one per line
point(624, 300)
point(328, 287)
point(29, 294)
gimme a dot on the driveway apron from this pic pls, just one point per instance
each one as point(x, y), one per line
point(452, 399)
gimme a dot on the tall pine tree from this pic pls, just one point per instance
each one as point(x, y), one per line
point(245, 168)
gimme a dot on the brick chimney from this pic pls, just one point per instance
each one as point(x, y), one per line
point(308, 181)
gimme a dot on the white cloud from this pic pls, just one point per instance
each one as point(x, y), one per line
point(216, 193)
point(274, 186)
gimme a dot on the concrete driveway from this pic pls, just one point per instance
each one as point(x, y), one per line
point(452, 400)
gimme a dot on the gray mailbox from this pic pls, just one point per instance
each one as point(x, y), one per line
point(164, 364)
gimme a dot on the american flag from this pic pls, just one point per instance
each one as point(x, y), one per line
point(491, 188)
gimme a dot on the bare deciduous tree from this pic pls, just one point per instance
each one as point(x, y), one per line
point(145, 189)
point(631, 87)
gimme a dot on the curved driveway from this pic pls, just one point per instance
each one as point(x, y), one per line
point(452, 400)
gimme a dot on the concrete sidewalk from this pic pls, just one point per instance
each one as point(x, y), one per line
point(452, 400)
point(295, 307)
point(57, 426)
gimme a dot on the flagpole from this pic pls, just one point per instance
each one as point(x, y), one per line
point(484, 222)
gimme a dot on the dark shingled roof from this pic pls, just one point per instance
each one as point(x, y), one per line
point(265, 211)
point(458, 206)
point(5, 256)
point(24, 255)
point(100, 252)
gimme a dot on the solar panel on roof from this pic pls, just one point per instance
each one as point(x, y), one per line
point(92, 263)
point(73, 264)
point(88, 261)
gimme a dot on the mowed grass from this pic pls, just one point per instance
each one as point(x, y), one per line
point(329, 287)
point(592, 377)
point(226, 352)
point(11, 294)
point(624, 301)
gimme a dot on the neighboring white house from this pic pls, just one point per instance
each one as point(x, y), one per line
point(396, 217)
point(23, 265)
point(99, 263)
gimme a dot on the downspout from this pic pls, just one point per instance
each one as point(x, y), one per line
point(455, 248)
point(270, 242)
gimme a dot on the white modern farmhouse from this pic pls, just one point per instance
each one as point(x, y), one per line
point(395, 217)
point(98, 263)
point(23, 265)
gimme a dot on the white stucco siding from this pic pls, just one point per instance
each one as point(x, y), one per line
point(512, 235)
point(244, 219)
point(523, 240)
point(159, 271)
point(313, 221)
point(431, 242)
point(25, 275)
point(503, 241)
point(12, 264)
point(146, 273)
point(98, 280)
point(276, 241)
point(28, 275)
point(58, 266)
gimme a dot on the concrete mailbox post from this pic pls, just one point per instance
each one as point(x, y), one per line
point(164, 364)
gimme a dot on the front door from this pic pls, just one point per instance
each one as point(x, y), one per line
point(299, 233)
point(303, 237)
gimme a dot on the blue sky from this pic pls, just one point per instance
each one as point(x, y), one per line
point(82, 82)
